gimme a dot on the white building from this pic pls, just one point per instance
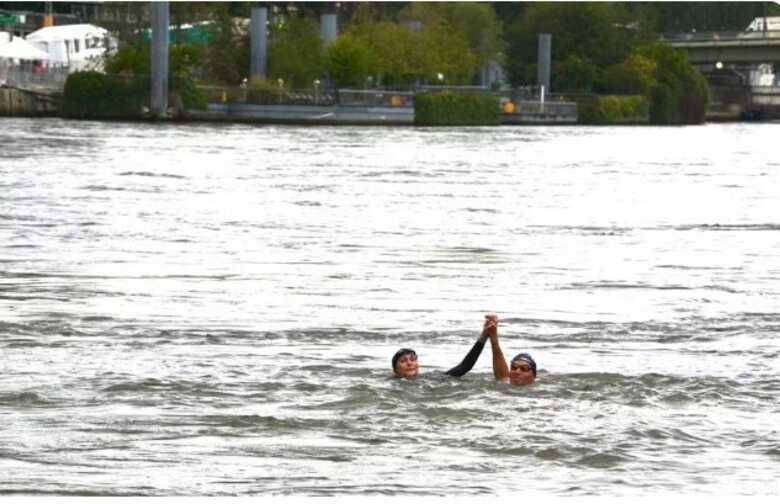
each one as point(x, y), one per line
point(80, 46)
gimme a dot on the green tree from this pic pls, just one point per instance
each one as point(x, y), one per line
point(633, 76)
point(295, 53)
point(575, 74)
point(395, 48)
point(680, 94)
point(446, 52)
point(227, 56)
point(601, 33)
point(474, 20)
point(349, 61)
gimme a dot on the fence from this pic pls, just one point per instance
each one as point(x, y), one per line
point(25, 75)
point(375, 98)
point(248, 95)
point(526, 100)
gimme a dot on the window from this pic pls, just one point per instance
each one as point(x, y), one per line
point(76, 45)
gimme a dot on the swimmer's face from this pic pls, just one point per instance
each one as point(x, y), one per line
point(407, 366)
point(521, 373)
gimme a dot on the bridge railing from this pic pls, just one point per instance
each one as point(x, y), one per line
point(719, 35)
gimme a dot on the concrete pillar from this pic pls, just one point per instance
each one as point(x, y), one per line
point(160, 23)
point(543, 59)
point(328, 27)
point(259, 43)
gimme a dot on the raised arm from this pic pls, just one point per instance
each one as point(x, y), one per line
point(471, 358)
point(500, 369)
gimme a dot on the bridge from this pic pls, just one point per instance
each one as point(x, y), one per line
point(728, 47)
point(727, 59)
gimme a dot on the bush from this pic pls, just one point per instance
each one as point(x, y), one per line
point(100, 96)
point(456, 109)
point(612, 110)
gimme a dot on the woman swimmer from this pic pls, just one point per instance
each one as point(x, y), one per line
point(405, 364)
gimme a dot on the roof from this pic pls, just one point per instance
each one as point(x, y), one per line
point(18, 48)
point(67, 32)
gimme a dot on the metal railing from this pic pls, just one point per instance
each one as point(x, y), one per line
point(546, 108)
point(248, 95)
point(375, 98)
point(28, 76)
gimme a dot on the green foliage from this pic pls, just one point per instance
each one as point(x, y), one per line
point(446, 52)
point(586, 36)
point(349, 61)
point(456, 109)
point(226, 59)
point(574, 74)
point(605, 110)
point(402, 56)
point(130, 60)
point(679, 94)
point(100, 96)
point(296, 53)
point(634, 75)
point(133, 66)
point(476, 21)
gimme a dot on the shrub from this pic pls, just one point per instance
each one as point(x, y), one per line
point(612, 110)
point(456, 109)
point(96, 95)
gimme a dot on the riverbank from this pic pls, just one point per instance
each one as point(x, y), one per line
point(15, 102)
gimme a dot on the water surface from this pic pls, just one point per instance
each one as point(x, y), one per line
point(211, 310)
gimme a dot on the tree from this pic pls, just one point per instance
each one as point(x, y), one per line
point(635, 75)
point(349, 61)
point(680, 93)
point(296, 53)
point(476, 21)
point(227, 55)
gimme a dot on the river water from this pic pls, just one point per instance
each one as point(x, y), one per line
point(211, 309)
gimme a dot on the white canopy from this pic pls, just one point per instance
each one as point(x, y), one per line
point(20, 49)
point(67, 32)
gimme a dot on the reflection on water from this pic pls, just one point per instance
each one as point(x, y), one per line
point(211, 310)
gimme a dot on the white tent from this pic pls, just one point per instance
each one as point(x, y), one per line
point(19, 49)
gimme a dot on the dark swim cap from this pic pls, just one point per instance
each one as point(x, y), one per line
point(527, 359)
point(400, 353)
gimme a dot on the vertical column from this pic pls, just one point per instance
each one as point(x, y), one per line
point(543, 58)
point(259, 42)
point(328, 26)
point(160, 22)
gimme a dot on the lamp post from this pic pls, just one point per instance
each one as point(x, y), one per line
point(280, 82)
point(316, 91)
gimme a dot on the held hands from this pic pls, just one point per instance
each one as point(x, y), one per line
point(490, 328)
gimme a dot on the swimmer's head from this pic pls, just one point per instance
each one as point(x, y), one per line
point(405, 363)
point(522, 370)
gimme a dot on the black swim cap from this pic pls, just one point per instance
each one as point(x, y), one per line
point(527, 359)
point(400, 353)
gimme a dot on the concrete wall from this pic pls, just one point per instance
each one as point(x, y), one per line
point(15, 103)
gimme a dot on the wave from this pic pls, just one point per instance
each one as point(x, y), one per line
point(150, 174)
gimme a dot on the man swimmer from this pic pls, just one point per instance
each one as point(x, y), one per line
point(406, 365)
point(522, 369)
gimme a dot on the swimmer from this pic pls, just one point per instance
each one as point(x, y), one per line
point(406, 365)
point(522, 369)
